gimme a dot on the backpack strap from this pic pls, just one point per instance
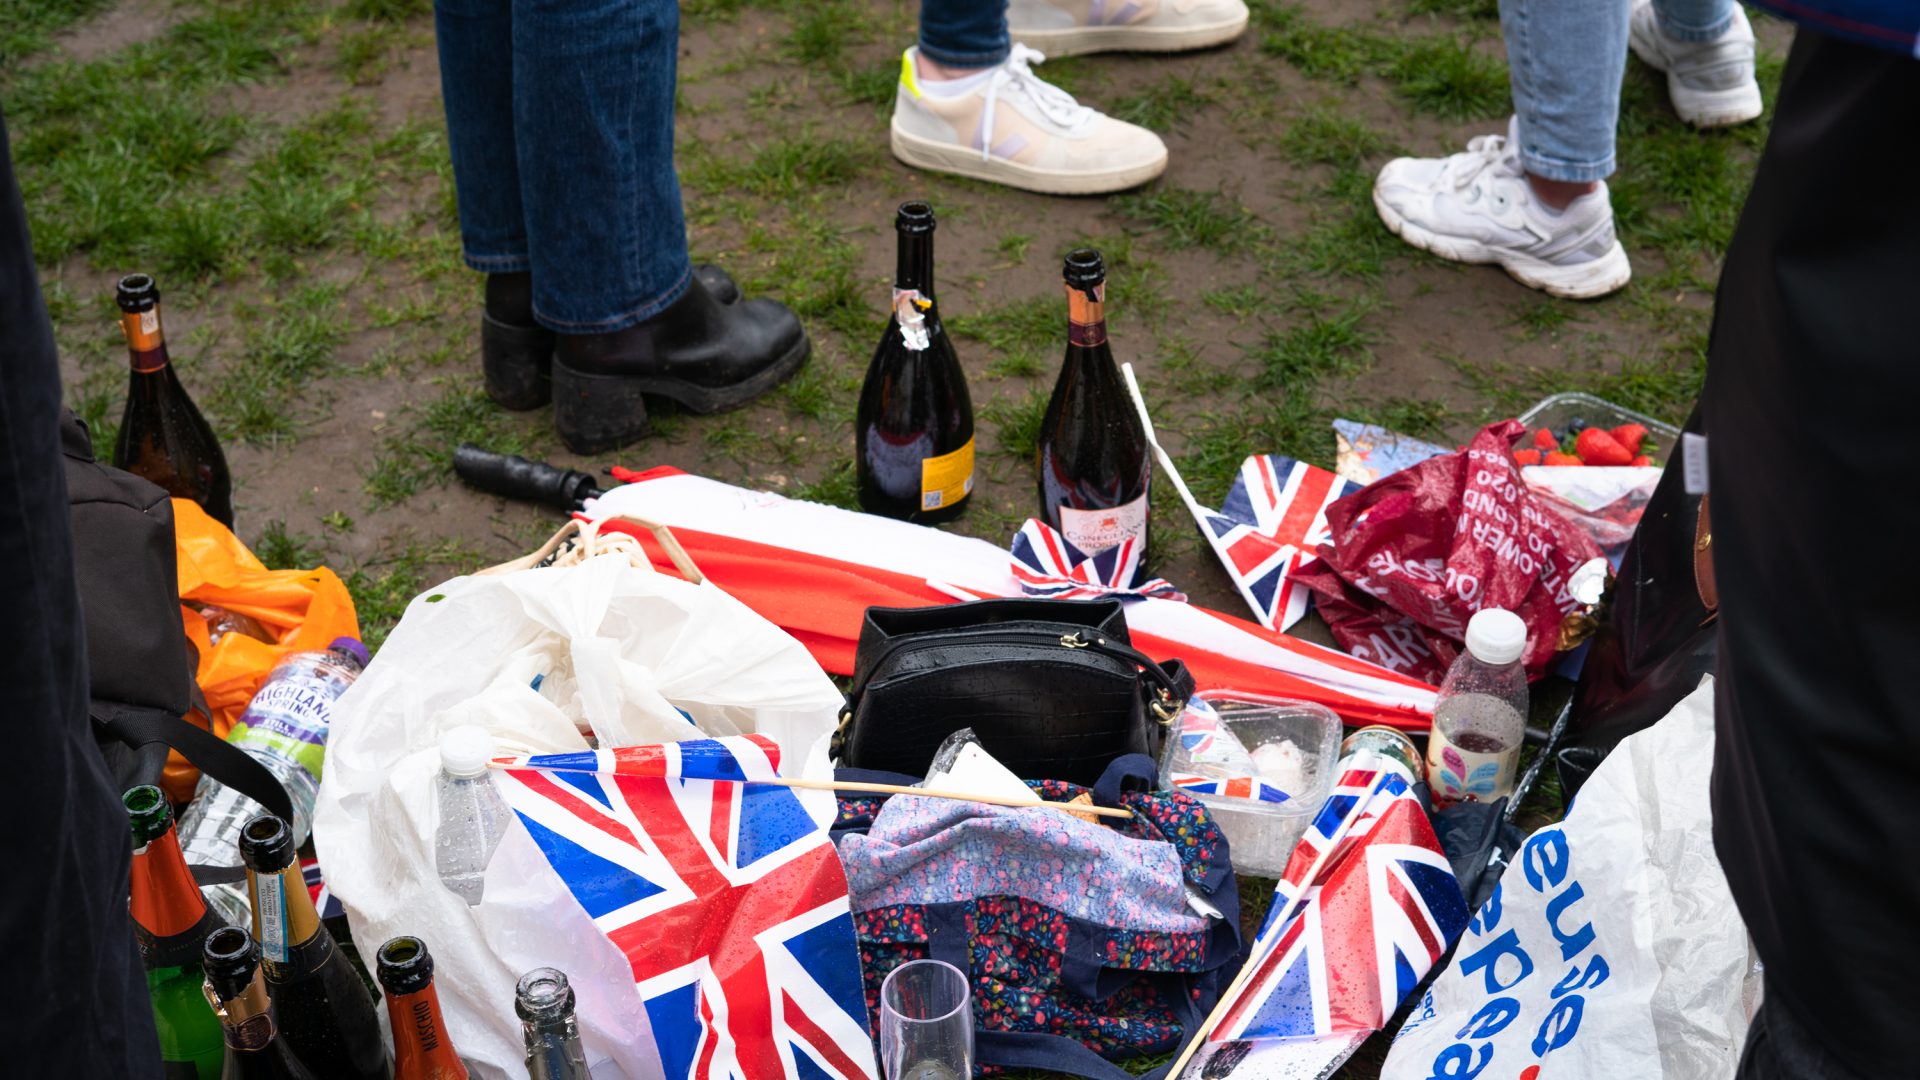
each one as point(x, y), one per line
point(213, 755)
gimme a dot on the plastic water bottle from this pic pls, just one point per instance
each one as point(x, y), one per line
point(473, 815)
point(284, 728)
point(1480, 718)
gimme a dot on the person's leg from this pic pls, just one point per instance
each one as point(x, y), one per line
point(958, 37)
point(1565, 59)
point(1695, 20)
point(74, 998)
point(592, 114)
point(1811, 374)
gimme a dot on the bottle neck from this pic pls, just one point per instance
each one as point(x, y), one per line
point(553, 1049)
point(421, 1049)
point(284, 917)
point(146, 343)
point(1086, 316)
point(164, 901)
point(246, 1017)
point(913, 268)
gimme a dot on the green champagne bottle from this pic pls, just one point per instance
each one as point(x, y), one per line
point(171, 922)
point(324, 1008)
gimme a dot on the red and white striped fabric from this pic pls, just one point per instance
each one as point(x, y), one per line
point(813, 570)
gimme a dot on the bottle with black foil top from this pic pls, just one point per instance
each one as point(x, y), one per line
point(163, 437)
point(913, 431)
point(256, 1048)
point(325, 1010)
point(1093, 461)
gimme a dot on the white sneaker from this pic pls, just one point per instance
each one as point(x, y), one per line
point(1711, 82)
point(1007, 126)
point(1476, 207)
point(1071, 27)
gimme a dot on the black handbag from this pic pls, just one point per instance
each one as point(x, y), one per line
point(1053, 688)
point(1656, 636)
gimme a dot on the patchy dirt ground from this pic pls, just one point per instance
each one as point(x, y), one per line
point(281, 166)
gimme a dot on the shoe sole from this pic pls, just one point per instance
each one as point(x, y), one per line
point(1581, 281)
point(595, 413)
point(1080, 40)
point(922, 153)
point(1702, 108)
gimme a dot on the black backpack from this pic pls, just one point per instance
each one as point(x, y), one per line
point(140, 663)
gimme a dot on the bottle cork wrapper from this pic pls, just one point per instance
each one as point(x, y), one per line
point(304, 610)
point(1086, 315)
point(1414, 554)
point(247, 1016)
point(142, 329)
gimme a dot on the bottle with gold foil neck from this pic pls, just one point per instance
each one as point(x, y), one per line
point(421, 1049)
point(163, 437)
point(237, 992)
point(171, 922)
point(324, 1008)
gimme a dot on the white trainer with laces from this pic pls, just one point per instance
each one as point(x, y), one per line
point(1008, 126)
point(1711, 82)
point(1477, 207)
point(1072, 27)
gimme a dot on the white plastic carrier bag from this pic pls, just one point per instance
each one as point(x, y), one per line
point(542, 657)
point(1611, 948)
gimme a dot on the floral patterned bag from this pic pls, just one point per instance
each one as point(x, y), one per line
point(1082, 943)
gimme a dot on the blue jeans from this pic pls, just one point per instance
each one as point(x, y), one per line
point(560, 121)
point(964, 33)
point(1566, 58)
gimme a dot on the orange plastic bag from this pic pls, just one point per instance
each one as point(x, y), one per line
point(302, 609)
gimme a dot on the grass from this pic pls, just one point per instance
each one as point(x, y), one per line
point(421, 455)
point(1325, 136)
point(1452, 79)
point(1188, 218)
point(1161, 107)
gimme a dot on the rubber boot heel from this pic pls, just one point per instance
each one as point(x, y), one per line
point(516, 360)
point(596, 413)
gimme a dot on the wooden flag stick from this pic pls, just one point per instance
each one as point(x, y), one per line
point(1265, 944)
point(859, 787)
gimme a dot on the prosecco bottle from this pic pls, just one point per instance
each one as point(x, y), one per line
point(171, 922)
point(913, 431)
point(163, 437)
point(255, 1046)
point(324, 1009)
point(421, 1049)
point(1093, 461)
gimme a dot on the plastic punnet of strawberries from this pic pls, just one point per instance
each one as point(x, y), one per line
point(1628, 444)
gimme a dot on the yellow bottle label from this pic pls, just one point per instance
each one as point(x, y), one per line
point(946, 479)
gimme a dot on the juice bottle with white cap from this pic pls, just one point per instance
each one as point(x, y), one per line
point(1480, 719)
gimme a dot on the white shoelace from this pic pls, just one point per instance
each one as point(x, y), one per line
point(1016, 73)
point(1483, 152)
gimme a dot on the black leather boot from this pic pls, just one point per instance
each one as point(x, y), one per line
point(516, 353)
point(703, 354)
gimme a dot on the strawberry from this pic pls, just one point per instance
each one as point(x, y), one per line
point(1544, 440)
point(1526, 457)
point(1641, 462)
point(1631, 436)
point(1555, 457)
point(1596, 447)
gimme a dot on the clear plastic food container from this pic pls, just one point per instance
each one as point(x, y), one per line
point(1556, 411)
point(1262, 765)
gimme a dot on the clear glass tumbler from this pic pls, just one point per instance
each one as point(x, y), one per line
point(926, 1022)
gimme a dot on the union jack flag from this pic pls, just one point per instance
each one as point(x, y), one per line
point(324, 901)
point(1273, 520)
point(1045, 564)
point(1199, 725)
point(726, 897)
point(1238, 787)
point(1384, 908)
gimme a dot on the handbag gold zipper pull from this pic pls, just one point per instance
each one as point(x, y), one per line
point(1074, 640)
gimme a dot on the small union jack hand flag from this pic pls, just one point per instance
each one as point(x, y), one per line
point(1045, 564)
point(725, 895)
point(1273, 520)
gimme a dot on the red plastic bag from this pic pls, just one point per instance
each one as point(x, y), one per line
point(1414, 554)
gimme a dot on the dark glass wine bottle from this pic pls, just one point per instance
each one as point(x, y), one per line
point(163, 437)
point(1093, 461)
point(421, 1049)
point(255, 1047)
point(544, 1002)
point(913, 431)
point(324, 1008)
point(171, 922)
